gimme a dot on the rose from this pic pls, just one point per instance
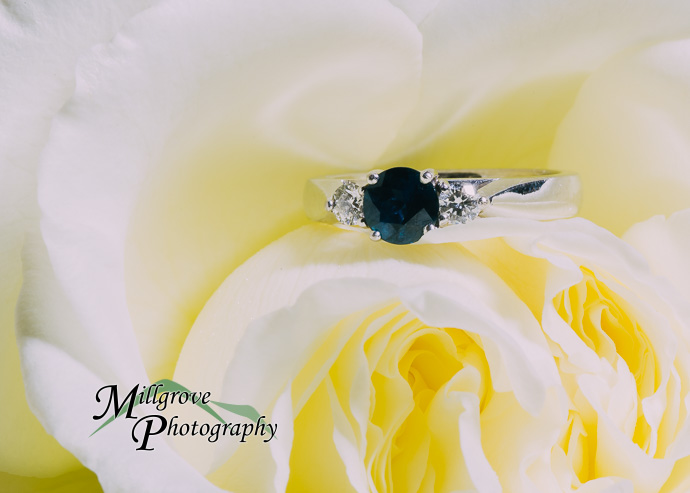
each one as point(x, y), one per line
point(39, 48)
point(341, 102)
point(435, 369)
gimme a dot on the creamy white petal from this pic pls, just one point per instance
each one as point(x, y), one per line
point(626, 135)
point(280, 449)
point(607, 485)
point(67, 404)
point(214, 92)
point(331, 274)
point(52, 338)
point(616, 454)
point(40, 43)
point(515, 350)
point(347, 445)
point(499, 75)
point(665, 243)
point(478, 468)
point(293, 276)
point(132, 104)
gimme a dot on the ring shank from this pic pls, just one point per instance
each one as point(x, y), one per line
point(526, 193)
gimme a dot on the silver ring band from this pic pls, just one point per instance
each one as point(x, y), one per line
point(463, 195)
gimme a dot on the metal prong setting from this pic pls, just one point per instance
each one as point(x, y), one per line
point(329, 205)
point(427, 176)
point(372, 178)
point(375, 236)
point(429, 227)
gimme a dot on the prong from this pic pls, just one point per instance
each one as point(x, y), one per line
point(427, 176)
point(483, 201)
point(443, 185)
point(329, 205)
point(372, 178)
point(429, 227)
point(375, 236)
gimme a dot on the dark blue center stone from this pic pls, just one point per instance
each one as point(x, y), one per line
point(399, 206)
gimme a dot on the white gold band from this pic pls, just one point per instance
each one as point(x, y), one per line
point(462, 195)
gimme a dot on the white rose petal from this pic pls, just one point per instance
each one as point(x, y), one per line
point(665, 243)
point(634, 160)
point(145, 99)
point(53, 338)
point(184, 149)
point(500, 76)
point(195, 95)
point(288, 337)
point(39, 47)
point(323, 279)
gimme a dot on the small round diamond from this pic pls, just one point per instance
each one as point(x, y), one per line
point(347, 204)
point(459, 203)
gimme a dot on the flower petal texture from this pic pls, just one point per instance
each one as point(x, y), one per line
point(432, 354)
point(152, 179)
point(40, 45)
point(634, 160)
point(101, 151)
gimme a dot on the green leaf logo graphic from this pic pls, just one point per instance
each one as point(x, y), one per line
point(246, 411)
point(167, 385)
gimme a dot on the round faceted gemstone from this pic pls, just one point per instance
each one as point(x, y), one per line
point(347, 203)
point(399, 206)
point(459, 203)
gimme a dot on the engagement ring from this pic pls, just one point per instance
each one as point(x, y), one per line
point(399, 205)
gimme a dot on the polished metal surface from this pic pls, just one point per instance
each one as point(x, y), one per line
point(525, 193)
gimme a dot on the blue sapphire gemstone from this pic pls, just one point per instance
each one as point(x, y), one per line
point(399, 206)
